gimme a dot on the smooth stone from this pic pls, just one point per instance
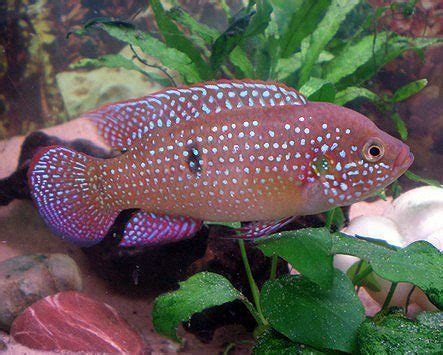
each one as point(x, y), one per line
point(418, 213)
point(71, 321)
point(26, 279)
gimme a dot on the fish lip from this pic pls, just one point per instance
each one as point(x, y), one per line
point(404, 159)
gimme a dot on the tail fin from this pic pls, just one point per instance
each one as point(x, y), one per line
point(67, 201)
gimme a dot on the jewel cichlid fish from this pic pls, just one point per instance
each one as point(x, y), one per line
point(217, 151)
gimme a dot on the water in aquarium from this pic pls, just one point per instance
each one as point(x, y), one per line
point(221, 176)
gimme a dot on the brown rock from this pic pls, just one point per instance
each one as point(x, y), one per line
point(26, 279)
point(71, 321)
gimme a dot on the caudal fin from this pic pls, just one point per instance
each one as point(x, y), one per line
point(66, 199)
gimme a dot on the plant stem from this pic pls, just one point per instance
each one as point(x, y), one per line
point(257, 316)
point(274, 263)
point(362, 275)
point(252, 284)
point(389, 296)
point(329, 218)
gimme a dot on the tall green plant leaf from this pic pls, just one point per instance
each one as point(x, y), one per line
point(420, 263)
point(303, 312)
point(302, 23)
point(260, 20)
point(201, 291)
point(317, 89)
point(325, 31)
point(414, 177)
point(169, 57)
point(409, 89)
point(400, 125)
point(228, 40)
point(239, 58)
point(307, 250)
point(287, 66)
point(197, 29)
point(205, 36)
point(359, 62)
point(174, 38)
point(353, 92)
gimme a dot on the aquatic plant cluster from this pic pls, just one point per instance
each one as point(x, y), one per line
point(318, 309)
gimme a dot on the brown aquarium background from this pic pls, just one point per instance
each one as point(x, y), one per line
point(38, 89)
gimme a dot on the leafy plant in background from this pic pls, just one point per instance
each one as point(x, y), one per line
point(315, 46)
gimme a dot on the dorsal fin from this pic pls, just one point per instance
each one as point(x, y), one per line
point(122, 123)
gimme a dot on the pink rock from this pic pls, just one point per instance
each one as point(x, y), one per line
point(71, 321)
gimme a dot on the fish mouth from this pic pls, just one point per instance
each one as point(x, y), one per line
point(404, 159)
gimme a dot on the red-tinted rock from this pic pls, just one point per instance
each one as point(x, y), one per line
point(71, 321)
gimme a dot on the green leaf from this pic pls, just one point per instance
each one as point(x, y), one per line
point(359, 62)
point(228, 40)
point(174, 38)
point(200, 291)
point(169, 57)
point(335, 218)
point(288, 66)
point(409, 89)
point(260, 19)
point(369, 281)
point(396, 334)
point(197, 29)
point(205, 36)
point(420, 263)
point(273, 343)
point(239, 58)
point(353, 57)
point(414, 177)
point(307, 250)
point(300, 310)
point(351, 93)
point(395, 189)
point(318, 90)
point(302, 23)
point(265, 56)
point(400, 125)
point(325, 31)
point(117, 61)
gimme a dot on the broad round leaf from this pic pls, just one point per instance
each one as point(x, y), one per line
point(201, 291)
point(420, 263)
point(397, 334)
point(273, 343)
point(307, 250)
point(303, 312)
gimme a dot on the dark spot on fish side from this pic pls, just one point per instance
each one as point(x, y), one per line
point(194, 159)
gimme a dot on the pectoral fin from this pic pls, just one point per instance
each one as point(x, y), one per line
point(257, 229)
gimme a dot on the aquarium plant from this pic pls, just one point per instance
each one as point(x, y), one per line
point(314, 46)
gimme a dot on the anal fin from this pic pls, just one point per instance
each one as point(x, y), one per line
point(149, 229)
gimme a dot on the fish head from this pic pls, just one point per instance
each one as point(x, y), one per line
point(355, 160)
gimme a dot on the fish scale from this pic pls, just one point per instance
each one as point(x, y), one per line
point(219, 151)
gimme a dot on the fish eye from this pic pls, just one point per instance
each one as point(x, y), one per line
point(373, 150)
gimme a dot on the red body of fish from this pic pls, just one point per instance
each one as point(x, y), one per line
point(223, 151)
